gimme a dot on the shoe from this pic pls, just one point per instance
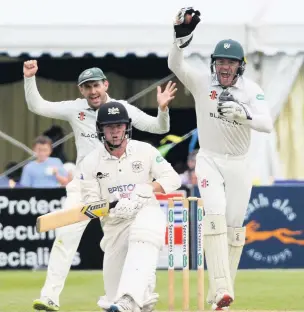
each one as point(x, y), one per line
point(104, 303)
point(150, 303)
point(223, 300)
point(124, 304)
point(216, 308)
point(45, 304)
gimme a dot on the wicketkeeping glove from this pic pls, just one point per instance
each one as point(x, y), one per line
point(230, 108)
point(184, 24)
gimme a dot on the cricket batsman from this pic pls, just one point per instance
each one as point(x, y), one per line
point(228, 106)
point(134, 232)
point(81, 114)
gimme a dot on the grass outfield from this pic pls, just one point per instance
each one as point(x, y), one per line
point(263, 290)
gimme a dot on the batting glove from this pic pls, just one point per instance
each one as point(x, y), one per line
point(127, 208)
point(184, 24)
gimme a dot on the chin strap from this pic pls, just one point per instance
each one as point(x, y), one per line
point(112, 146)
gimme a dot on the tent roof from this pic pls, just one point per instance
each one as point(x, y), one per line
point(143, 27)
point(280, 28)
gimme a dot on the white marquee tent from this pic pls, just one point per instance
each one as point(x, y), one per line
point(142, 27)
point(274, 28)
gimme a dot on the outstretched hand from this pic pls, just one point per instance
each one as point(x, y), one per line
point(165, 97)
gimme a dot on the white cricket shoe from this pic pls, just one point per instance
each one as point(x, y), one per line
point(150, 303)
point(104, 303)
point(124, 304)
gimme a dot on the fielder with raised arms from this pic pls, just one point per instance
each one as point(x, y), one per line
point(134, 232)
point(228, 106)
point(81, 114)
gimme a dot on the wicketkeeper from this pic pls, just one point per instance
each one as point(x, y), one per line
point(228, 107)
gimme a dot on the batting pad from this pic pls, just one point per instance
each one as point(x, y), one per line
point(216, 252)
point(236, 242)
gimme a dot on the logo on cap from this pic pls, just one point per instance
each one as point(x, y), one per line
point(87, 73)
point(113, 111)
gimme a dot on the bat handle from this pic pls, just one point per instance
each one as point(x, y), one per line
point(113, 204)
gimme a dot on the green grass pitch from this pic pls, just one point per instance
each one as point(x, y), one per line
point(256, 290)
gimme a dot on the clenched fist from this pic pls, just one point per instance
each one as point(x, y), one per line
point(30, 68)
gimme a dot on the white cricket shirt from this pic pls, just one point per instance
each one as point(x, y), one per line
point(216, 134)
point(104, 175)
point(82, 118)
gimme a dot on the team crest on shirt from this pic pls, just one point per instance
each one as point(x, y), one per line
point(137, 166)
point(213, 95)
point(81, 116)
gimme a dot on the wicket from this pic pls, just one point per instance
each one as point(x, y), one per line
point(185, 252)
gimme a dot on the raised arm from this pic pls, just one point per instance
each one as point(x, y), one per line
point(159, 124)
point(186, 73)
point(35, 102)
point(184, 25)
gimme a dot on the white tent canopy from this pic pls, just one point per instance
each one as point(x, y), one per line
point(142, 27)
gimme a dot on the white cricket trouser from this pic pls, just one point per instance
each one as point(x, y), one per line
point(64, 248)
point(225, 184)
point(115, 245)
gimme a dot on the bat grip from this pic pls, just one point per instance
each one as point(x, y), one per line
point(113, 204)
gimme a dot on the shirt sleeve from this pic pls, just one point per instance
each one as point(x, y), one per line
point(89, 185)
point(147, 123)
point(163, 173)
point(260, 113)
point(39, 106)
point(192, 79)
point(25, 180)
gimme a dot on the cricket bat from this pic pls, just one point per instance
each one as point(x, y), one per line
point(60, 218)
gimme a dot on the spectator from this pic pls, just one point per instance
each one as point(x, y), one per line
point(45, 171)
point(189, 177)
point(11, 180)
point(55, 133)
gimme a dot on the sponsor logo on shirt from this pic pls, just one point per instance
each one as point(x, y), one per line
point(260, 97)
point(89, 135)
point(228, 122)
point(122, 188)
point(159, 159)
point(100, 175)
